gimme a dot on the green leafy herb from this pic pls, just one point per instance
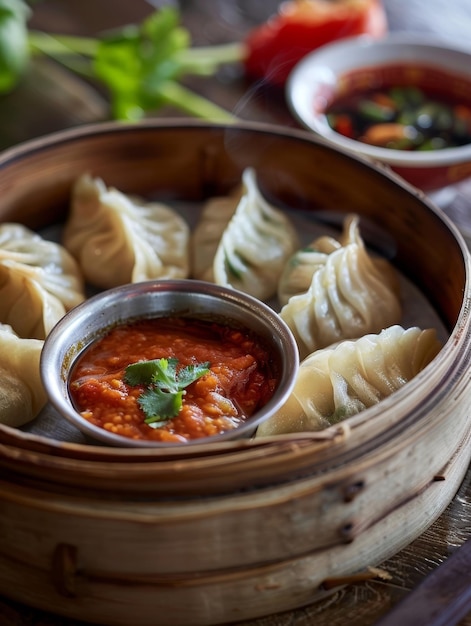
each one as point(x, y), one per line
point(160, 406)
point(165, 386)
point(137, 62)
point(14, 50)
point(140, 64)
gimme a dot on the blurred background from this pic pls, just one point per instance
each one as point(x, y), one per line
point(63, 99)
point(50, 98)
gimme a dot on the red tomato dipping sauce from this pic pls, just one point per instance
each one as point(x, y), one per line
point(237, 379)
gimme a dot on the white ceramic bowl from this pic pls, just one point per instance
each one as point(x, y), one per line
point(360, 62)
point(92, 319)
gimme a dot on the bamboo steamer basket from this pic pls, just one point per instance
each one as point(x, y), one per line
point(227, 532)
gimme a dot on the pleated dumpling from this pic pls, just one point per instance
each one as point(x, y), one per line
point(215, 216)
point(338, 382)
point(253, 245)
point(39, 281)
point(349, 296)
point(298, 271)
point(118, 239)
point(22, 395)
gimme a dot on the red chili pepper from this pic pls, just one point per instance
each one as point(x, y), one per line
point(343, 125)
point(301, 26)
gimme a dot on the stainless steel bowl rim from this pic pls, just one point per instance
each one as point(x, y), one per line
point(156, 298)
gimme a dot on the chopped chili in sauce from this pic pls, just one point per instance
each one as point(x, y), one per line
point(241, 379)
point(402, 117)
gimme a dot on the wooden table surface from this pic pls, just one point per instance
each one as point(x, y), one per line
point(50, 99)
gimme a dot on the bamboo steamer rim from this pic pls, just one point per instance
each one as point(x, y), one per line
point(38, 451)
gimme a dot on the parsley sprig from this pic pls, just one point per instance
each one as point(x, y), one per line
point(140, 65)
point(165, 386)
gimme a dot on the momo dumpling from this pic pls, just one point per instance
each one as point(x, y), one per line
point(22, 395)
point(349, 296)
point(338, 382)
point(297, 273)
point(254, 245)
point(215, 216)
point(118, 239)
point(39, 281)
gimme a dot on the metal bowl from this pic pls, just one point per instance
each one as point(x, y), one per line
point(163, 298)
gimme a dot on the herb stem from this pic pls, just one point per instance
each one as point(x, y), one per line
point(58, 45)
point(207, 59)
point(55, 47)
point(190, 102)
point(81, 55)
point(196, 60)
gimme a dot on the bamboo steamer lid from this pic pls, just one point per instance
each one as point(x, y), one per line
point(237, 530)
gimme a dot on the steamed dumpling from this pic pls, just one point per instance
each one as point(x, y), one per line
point(348, 297)
point(338, 382)
point(22, 395)
point(298, 271)
point(251, 248)
point(215, 216)
point(118, 239)
point(39, 281)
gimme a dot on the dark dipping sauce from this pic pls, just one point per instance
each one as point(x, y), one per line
point(241, 379)
point(403, 107)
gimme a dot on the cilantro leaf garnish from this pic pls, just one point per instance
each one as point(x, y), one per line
point(144, 372)
point(165, 385)
point(160, 406)
point(190, 373)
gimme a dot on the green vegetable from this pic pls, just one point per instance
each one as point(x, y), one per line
point(235, 265)
point(376, 112)
point(165, 384)
point(14, 51)
point(141, 65)
point(139, 60)
point(405, 97)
